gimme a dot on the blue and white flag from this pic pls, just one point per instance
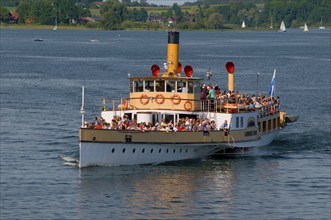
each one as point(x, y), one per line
point(272, 85)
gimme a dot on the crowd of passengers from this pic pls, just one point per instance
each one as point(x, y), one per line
point(265, 105)
point(184, 124)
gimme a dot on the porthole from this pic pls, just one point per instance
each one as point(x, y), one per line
point(143, 151)
point(152, 150)
point(160, 150)
point(134, 150)
point(113, 150)
point(123, 150)
point(167, 150)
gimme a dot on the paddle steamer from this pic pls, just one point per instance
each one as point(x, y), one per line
point(174, 95)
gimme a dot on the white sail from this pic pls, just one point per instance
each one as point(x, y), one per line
point(243, 24)
point(305, 29)
point(321, 25)
point(282, 27)
point(55, 27)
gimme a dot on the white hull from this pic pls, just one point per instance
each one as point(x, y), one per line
point(117, 154)
point(265, 139)
point(110, 154)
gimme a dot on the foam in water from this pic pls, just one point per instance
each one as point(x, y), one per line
point(70, 161)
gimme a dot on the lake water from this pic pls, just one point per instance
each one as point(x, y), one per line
point(40, 117)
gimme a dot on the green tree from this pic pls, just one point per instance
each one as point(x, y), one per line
point(42, 12)
point(215, 21)
point(138, 15)
point(66, 10)
point(24, 10)
point(4, 14)
point(177, 12)
point(113, 14)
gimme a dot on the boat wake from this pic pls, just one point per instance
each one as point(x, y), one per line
point(70, 161)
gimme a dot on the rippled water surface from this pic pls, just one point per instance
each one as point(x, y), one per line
point(40, 116)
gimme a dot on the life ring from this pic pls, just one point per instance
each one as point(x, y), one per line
point(144, 99)
point(175, 99)
point(188, 105)
point(126, 103)
point(159, 99)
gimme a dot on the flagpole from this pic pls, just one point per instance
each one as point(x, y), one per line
point(257, 84)
point(82, 110)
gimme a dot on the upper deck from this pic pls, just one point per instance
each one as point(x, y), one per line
point(172, 93)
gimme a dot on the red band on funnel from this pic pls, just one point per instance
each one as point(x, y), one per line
point(229, 67)
point(179, 67)
point(155, 70)
point(188, 71)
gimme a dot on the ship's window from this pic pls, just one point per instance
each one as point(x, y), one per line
point(241, 122)
point(160, 150)
point(138, 86)
point(123, 150)
point(134, 150)
point(174, 150)
point(237, 122)
point(181, 86)
point(149, 86)
point(170, 86)
point(113, 150)
point(143, 151)
point(264, 125)
point(190, 87)
point(274, 126)
point(186, 151)
point(180, 151)
point(251, 122)
point(167, 151)
point(159, 86)
point(269, 125)
point(196, 87)
point(152, 150)
point(132, 86)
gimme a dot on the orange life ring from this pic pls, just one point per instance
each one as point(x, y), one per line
point(175, 99)
point(144, 97)
point(188, 105)
point(126, 103)
point(159, 99)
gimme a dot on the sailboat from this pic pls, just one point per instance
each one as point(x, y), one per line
point(321, 25)
point(243, 24)
point(305, 29)
point(55, 27)
point(282, 27)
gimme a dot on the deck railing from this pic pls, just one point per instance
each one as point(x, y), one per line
point(206, 105)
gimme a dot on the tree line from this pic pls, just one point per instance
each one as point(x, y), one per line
point(122, 15)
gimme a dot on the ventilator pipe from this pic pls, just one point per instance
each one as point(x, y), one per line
point(230, 68)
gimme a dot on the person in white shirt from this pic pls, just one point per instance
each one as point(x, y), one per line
point(225, 126)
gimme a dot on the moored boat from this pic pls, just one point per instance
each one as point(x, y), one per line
point(167, 117)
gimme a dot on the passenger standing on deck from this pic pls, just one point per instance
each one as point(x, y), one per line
point(225, 126)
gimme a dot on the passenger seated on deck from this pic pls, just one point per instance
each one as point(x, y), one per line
point(225, 126)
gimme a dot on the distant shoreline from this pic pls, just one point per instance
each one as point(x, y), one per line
point(80, 27)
